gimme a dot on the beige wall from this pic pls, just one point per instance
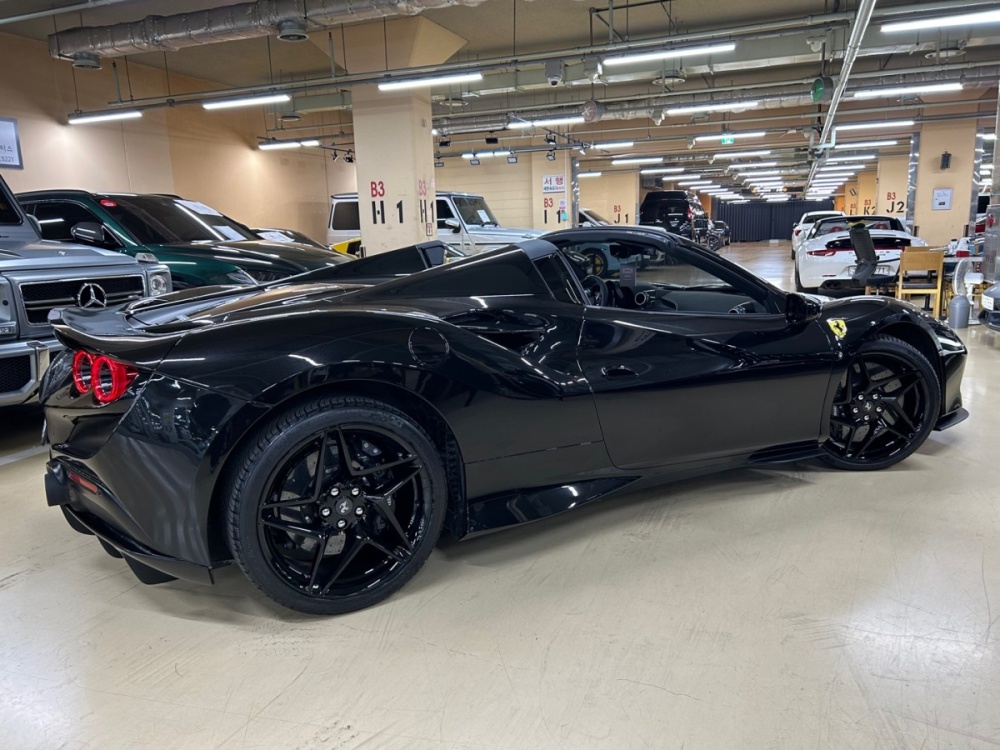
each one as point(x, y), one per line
point(207, 156)
point(610, 191)
point(959, 139)
point(506, 187)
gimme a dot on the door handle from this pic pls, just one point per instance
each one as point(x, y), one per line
point(618, 372)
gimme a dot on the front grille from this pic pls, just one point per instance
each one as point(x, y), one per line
point(15, 372)
point(41, 296)
point(261, 276)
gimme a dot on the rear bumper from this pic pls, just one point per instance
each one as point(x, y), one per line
point(22, 364)
point(94, 513)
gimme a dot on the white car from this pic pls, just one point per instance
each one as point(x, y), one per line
point(825, 260)
point(801, 230)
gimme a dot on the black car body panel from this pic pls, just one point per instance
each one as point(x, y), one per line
point(543, 404)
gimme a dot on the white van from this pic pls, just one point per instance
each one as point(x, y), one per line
point(463, 221)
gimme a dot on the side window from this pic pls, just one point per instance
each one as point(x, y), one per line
point(673, 279)
point(560, 283)
point(58, 219)
point(443, 212)
point(345, 216)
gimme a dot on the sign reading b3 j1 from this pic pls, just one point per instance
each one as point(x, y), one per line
point(10, 144)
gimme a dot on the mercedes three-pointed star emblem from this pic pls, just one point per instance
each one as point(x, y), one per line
point(91, 296)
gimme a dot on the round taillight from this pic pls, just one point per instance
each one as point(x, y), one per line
point(83, 365)
point(109, 379)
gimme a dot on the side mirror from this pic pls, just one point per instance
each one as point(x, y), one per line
point(800, 309)
point(451, 224)
point(89, 233)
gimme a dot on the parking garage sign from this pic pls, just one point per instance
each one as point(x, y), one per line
point(10, 144)
point(554, 183)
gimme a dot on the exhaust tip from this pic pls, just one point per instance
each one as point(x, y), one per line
point(86, 61)
point(292, 31)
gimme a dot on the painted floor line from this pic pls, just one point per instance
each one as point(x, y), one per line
point(21, 455)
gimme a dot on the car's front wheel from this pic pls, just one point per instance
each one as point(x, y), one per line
point(336, 504)
point(885, 407)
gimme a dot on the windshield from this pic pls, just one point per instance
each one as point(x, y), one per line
point(596, 218)
point(162, 220)
point(844, 223)
point(8, 214)
point(474, 211)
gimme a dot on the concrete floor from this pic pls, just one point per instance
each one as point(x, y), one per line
point(792, 607)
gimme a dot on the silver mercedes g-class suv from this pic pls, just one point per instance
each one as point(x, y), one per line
point(37, 276)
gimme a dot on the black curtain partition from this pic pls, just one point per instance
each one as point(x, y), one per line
point(760, 221)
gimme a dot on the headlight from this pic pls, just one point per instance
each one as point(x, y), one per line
point(159, 283)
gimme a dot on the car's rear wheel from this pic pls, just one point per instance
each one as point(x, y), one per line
point(336, 504)
point(799, 287)
point(885, 406)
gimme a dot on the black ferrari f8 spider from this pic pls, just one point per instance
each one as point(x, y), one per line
point(322, 431)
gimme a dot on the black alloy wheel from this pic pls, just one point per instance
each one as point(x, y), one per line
point(885, 406)
point(598, 263)
point(336, 505)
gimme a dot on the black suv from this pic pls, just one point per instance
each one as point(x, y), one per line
point(677, 211)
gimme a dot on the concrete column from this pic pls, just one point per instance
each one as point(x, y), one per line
point(941, 209)
point(394, 147)
point(615, 196)
point(892, 184)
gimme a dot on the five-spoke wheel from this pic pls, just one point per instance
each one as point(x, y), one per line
point(336, 505)
point(885, 406)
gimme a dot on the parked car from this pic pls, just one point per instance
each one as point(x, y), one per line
point(677, 211)
point(323, 434)
point(801, 229)
point(722, 229)
point(38, 276)
point(199, 244)
point(288, 235)
point(464, 220)
point(825, 260)
point(590, 218)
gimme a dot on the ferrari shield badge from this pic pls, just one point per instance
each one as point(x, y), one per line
point(838, 326)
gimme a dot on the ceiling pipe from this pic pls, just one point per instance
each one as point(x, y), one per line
point(229, 23)
point(75, 8)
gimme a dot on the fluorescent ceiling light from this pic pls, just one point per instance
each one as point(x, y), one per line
point(924, 88)
point(246, 101)
point(124, 114)
point(419, 83)
point(615, 144)
point(760, 173)
point(720, 136)
point(590, 174)
point(870, 125)
point(989, 136)
point(711, 107)
point(551, 122)
point(695, 183)
point(680, 176)
point(963, 19)
point(837, 171)
point(986, 168)
point(865, 144)
point(741, 154)
point(777, 198)
point(662, 170)
point(637, 160)
point(753, 165)
point(310, 142)
point(859, 157)
point(485, 154)
point(668, 54)
point(275, 145)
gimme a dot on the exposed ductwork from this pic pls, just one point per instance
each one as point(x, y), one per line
point(229, 23)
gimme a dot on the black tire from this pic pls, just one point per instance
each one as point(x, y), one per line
point(799, 287)
point(298, 530)
point(885, 407)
